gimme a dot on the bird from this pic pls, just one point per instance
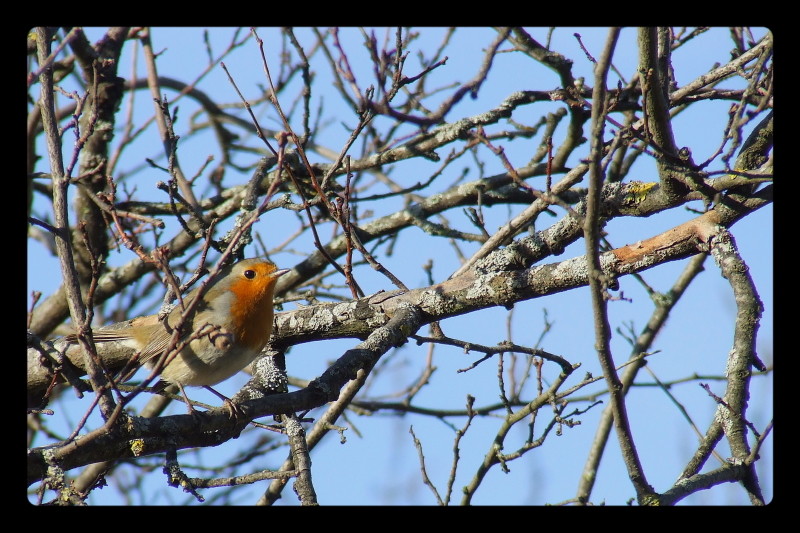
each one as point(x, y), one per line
point(224, 333)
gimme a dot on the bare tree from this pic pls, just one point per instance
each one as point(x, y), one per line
point(427, 222)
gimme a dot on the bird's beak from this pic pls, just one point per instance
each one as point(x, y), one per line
point(281, 272)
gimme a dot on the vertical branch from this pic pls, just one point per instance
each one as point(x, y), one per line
point(96, 118)
point(167, 137)
point(642, 344)
point(306, 75)
point(742, 357)
point(63, 244)
point(655, 106)
point(303, 486)
point(597, 282)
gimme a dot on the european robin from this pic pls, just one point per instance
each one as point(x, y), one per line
point(226, 331)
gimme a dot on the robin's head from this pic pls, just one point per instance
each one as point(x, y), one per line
point(241, 297)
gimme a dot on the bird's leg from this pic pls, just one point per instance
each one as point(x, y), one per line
point(192, 410)
point(233, 409)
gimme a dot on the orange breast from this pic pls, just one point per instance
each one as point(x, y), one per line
point(251, 308)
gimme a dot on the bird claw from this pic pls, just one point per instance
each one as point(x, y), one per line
point(234, 412)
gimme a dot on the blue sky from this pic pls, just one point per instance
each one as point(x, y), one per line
point(378, 463)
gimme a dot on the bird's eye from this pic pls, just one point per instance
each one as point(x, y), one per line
point(249, 274)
